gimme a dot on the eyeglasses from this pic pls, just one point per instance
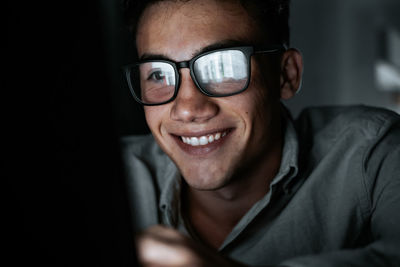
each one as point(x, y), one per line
point(217, 73)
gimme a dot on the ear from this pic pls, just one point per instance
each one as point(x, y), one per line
point(291, 73)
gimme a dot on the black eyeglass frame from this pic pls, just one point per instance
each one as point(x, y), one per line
point(248, 51)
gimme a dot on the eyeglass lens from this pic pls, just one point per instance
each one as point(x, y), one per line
point(219, 73)
point(222, 73)
point(157, 82)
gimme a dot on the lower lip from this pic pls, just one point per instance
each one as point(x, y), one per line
point(204, 149)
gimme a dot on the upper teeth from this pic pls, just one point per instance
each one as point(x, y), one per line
point(202, 140)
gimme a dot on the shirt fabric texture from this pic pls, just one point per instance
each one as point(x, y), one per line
point(335, 200)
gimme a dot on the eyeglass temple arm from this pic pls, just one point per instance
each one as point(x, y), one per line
point(272, 49)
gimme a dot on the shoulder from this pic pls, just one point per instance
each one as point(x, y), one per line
point(364, 121)
point(143, 148)
point(359, 129)
point(359, 143)
point(142, 156)
point(147, 170)
point(138, 144)
point(353, 124)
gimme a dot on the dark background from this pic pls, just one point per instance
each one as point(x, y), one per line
point(66, 104)
point(65, 202)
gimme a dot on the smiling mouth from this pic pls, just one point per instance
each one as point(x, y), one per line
point(202, 145)
point(203, 140)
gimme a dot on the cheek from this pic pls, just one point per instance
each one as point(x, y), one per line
point(257, 115)
point(265, 74)
point(257, 102)
point(149, 116)
point(154, 118)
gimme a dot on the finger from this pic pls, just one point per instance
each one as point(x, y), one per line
point(165, 232)
point(155, 251)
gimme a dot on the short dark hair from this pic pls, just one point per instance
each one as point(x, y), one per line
point(271, 15)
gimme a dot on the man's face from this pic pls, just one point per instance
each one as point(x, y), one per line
point(244, 124)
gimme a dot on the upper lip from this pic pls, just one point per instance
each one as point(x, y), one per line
point(200, 133)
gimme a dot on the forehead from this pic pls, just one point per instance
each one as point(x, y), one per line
point(178, 29)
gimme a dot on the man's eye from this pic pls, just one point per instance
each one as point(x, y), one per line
point(156, 76)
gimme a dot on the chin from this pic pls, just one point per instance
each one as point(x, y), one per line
point(205, 182)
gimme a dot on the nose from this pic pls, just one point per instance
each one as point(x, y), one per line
point(190, 104)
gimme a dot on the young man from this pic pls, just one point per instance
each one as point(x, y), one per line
point(233, 179)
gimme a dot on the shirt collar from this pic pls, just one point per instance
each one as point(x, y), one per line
point(290, 153)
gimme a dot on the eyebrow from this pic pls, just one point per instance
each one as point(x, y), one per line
point(211, 47)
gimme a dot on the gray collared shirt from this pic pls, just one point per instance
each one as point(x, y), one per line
point(334, 202)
